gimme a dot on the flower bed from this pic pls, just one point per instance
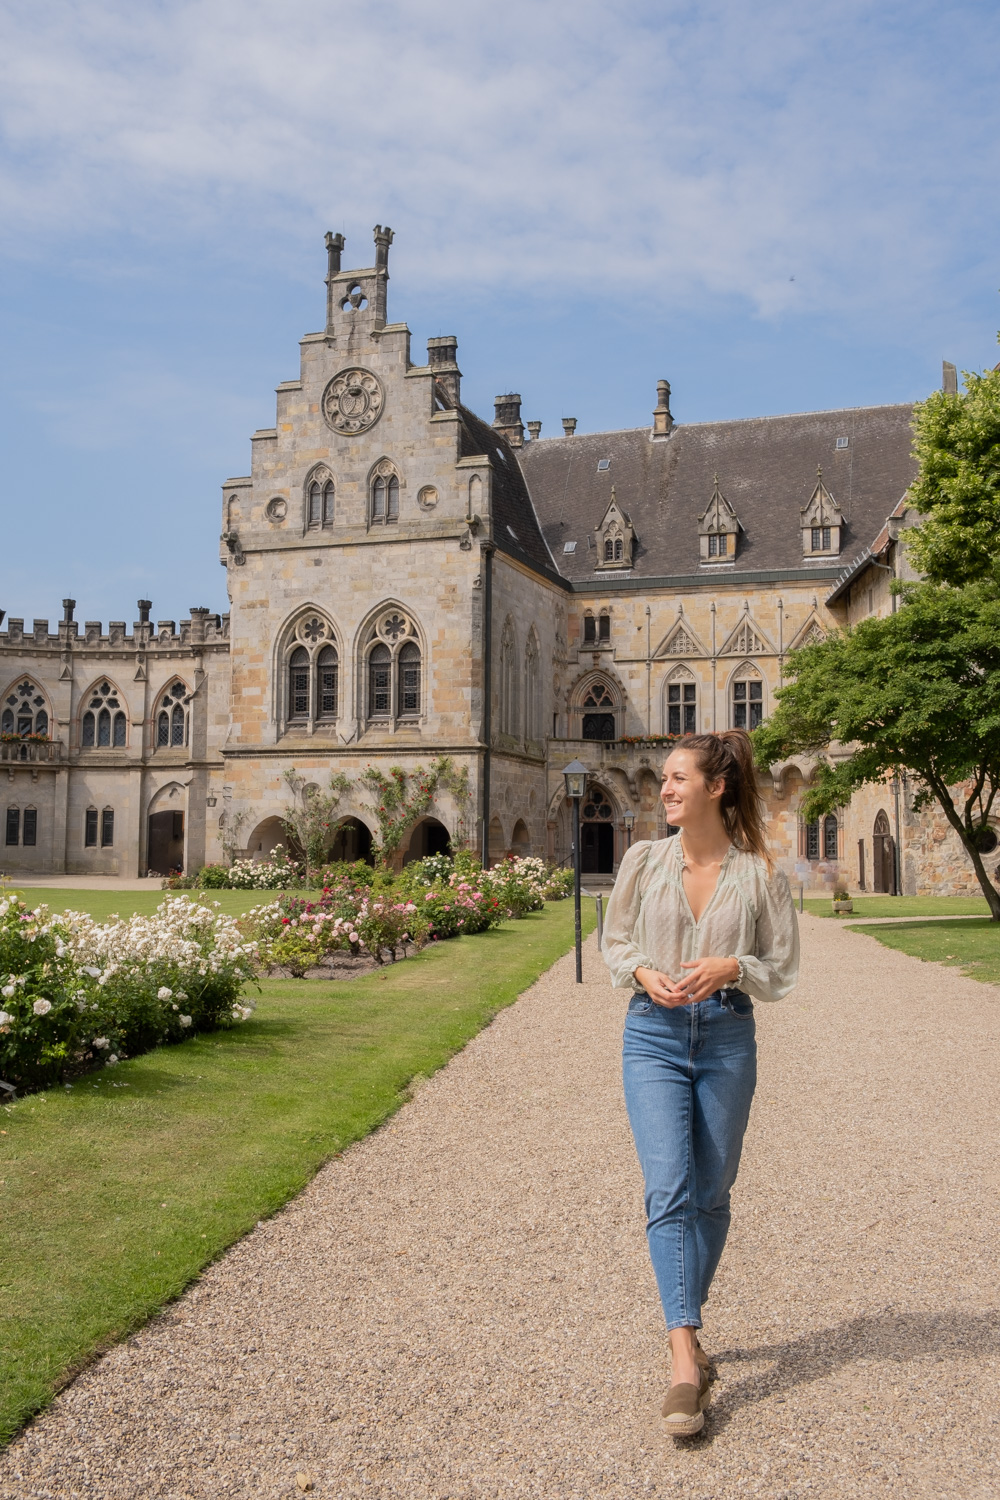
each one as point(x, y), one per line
point(77, 994)
point(276, 873)
point(363, 912)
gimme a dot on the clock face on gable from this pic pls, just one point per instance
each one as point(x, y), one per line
point(353, 401)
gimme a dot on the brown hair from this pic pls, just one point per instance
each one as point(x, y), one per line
point(728, 756)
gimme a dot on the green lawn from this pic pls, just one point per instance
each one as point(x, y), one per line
point(116, 1191)
point(104, 904)
point(973, 947)
point(902, 906)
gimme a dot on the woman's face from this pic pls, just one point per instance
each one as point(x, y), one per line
point(686, 797)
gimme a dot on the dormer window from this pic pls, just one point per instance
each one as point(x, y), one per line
point(718, 529)
point(614, 537)
point(821, 522)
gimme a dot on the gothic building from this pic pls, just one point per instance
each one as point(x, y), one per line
point(407, 580)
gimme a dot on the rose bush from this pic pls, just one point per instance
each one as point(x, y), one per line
point(78, 993)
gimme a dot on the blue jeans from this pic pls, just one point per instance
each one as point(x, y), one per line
point(689, 1078)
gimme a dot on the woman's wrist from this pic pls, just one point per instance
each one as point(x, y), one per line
point(739, 973)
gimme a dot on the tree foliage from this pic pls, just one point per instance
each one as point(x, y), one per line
point(957, 445)
point(918, 691)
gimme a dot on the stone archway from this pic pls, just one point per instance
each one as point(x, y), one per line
point(597, 832)
point(430, 836)
point(265, 839)
point(520, 839)
point(352, 840)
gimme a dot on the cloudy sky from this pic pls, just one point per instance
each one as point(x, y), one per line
point(778, 207)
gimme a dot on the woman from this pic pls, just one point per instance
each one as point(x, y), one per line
point(699, 926)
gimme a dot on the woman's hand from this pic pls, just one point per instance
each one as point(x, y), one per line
point(660, 988)
point(707, 975)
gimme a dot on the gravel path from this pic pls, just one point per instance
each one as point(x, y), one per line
point(462, 1305)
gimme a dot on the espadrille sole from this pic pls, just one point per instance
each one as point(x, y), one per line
point(684, 1409)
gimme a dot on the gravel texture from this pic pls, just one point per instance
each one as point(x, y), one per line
point(461, 1306)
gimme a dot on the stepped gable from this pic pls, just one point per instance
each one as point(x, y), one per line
point(515, 524)
point(767, 470)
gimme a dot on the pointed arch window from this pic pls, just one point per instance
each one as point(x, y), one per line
point(598, 713)
point(171, 720)
point(509, 685)
point(409, 680)
point(392, 667)
point(384, 500)
point(24, 711)
point(380, 682)
point(747, 701)
point(682, 707)
point(312, 674)
point(104, 725)
point(319, 505)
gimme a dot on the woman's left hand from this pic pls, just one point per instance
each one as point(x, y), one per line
point(707, 975)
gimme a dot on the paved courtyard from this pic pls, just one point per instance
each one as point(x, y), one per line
point(462, 1306)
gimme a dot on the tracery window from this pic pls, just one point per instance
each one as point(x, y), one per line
point(313, 668)
point(682, 704)
point(319, 503)
point(384, 500)
point(24, 712)
point(598, 713)
point(393, 667)
point(104, 725)
point(171, 721)
point(748, 702)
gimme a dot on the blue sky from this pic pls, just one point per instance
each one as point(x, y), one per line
point(778, 207)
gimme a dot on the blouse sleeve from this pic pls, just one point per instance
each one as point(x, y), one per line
point(621, 954)
point(772, 970)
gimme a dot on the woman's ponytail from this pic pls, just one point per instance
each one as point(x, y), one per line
point(728, 756)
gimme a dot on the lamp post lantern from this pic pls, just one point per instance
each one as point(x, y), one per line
point(628, 818)
point(575, 777)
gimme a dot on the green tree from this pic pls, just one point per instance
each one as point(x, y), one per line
point(311, 817)
point(919, 692)
point(957, 445)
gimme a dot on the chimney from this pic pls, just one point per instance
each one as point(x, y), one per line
point(569, 426)
point(535, 431)
point(442, 356)
point(508, 419)
point(144, 606)
point(68, 607)
point(383, 239)
point(949, 378)
point(662, 419)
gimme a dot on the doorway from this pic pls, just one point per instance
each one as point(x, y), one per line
point(883, 857)
point(352, 841)
point(597, 833)
point(165, 845)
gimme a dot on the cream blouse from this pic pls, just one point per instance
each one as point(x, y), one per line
point(649, 923)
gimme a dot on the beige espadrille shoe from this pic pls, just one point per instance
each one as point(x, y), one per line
point(684, 1408)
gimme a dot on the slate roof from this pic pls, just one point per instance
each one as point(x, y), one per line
point(767, 471)
point(515, 524)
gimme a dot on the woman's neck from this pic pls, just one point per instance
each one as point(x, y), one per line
point(706, 843)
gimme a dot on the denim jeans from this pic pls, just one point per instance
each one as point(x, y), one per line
point(689, 1074)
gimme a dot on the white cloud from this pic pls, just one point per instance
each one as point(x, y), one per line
point(648, 151)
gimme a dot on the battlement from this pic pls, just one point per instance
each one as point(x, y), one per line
point(202, 628)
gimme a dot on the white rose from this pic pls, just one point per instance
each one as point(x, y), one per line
point(42, 1007)
point(94, 973)
point(185, 1020)
point(101, 1041)
point(111, 1060)
point(163, 993)
point(7, 991)
point(5, 1019)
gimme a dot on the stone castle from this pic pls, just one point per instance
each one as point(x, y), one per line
point(407, 580)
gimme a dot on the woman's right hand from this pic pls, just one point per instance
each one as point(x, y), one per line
point(660, 988)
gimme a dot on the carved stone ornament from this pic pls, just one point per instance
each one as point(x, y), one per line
point(312, 629)
point(353, 401)
point(276, 509)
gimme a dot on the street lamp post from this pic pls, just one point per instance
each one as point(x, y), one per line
point(575, 777)
point(628, 818)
